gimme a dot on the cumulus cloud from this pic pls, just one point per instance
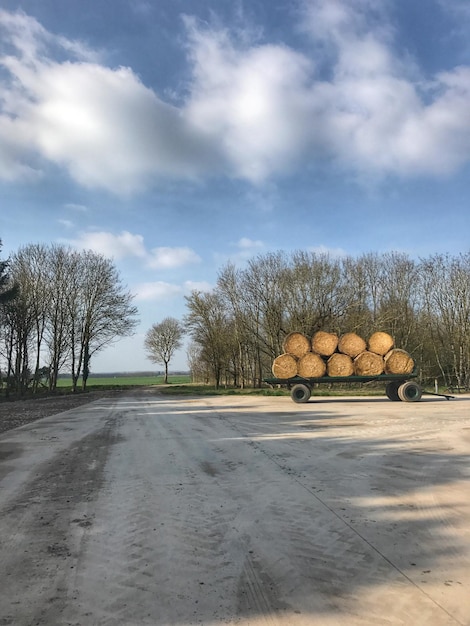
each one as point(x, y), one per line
point(191, 285)
point(325, 250)
point(128, 245)
point(158, 290)
point(252, 110)
point(168, 258)
point(113, 246)
point(250, 245)
point(242, 250)
point(101, 124)
point(254, 100)
point(162, 291)
point(246, 248)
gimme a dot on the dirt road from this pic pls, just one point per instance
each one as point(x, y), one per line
point(149, 510)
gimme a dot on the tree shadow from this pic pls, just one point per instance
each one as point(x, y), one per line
point(362, 513)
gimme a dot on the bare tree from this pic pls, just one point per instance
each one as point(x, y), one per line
point(68, 266)
point(7, 289)
point(315, 295)
point(400, 298)
point(103, 313)
point(162, 341)
point(199, 369)
point(69, 306)
point(208, 323)
point(25, 319)
point(446, 288)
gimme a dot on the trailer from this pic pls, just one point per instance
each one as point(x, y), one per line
point(398, 386)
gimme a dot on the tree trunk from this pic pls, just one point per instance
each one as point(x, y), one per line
point(86, 367)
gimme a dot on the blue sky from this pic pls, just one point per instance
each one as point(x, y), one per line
point(175, 135)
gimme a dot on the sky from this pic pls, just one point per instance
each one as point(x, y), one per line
point(174, 136)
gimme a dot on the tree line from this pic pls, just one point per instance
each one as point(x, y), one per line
point(239, 328)
point(60, 307)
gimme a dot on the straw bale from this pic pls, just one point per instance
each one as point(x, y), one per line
point(398, 361)
point(284, 366)
point(324, 343)
point(340, 365)
point(351, 344)
point(297, 344)
point(380, 343)
point(311, 365)
point(368, 364)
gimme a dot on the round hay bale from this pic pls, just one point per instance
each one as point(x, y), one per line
point(398, 361)
point(297, 344)
point(351, 344)
point(311, 365)
point(324, 343)
point(368, 364)
point(340, 365)
point(380, 343)
point(284, 366)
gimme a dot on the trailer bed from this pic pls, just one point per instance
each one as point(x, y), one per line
point(398, 386)
point(340, 379)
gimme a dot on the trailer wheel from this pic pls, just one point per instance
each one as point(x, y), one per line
point(300, 393)
point(410, 392)
point(391, 390)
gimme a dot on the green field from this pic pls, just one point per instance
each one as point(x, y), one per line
point(125, 381)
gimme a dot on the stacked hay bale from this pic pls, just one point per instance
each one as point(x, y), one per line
point(324, 343)
point(380, 343)
point(340, 365)
point(284, 366)
point(326, 354)
point(398, 361)
point(368, 364)
point(351, 344)
point(297, 344)
point(311, 365)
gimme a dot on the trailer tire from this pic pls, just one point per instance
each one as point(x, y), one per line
point(391, 390)
point(410, 392)
point(300, 393)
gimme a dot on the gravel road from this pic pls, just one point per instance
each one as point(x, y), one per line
point(141, 509)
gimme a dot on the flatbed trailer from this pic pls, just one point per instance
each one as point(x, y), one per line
point(398, 386)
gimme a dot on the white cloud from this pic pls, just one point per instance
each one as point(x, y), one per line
point(158, 290)
point(126, 244)
point(113, 246)
point(243, 250)
point(204, 286)
point(168, 258)
point(102, 125)
point(252, 110)
point(325, 250)
point(245, 243)
point(253, 99)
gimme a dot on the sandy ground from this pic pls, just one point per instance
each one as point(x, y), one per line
point(145, 509)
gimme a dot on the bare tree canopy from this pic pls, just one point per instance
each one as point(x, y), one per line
point(424, 304)
point(7, 289)
point(162, 341)
point(69, 306)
